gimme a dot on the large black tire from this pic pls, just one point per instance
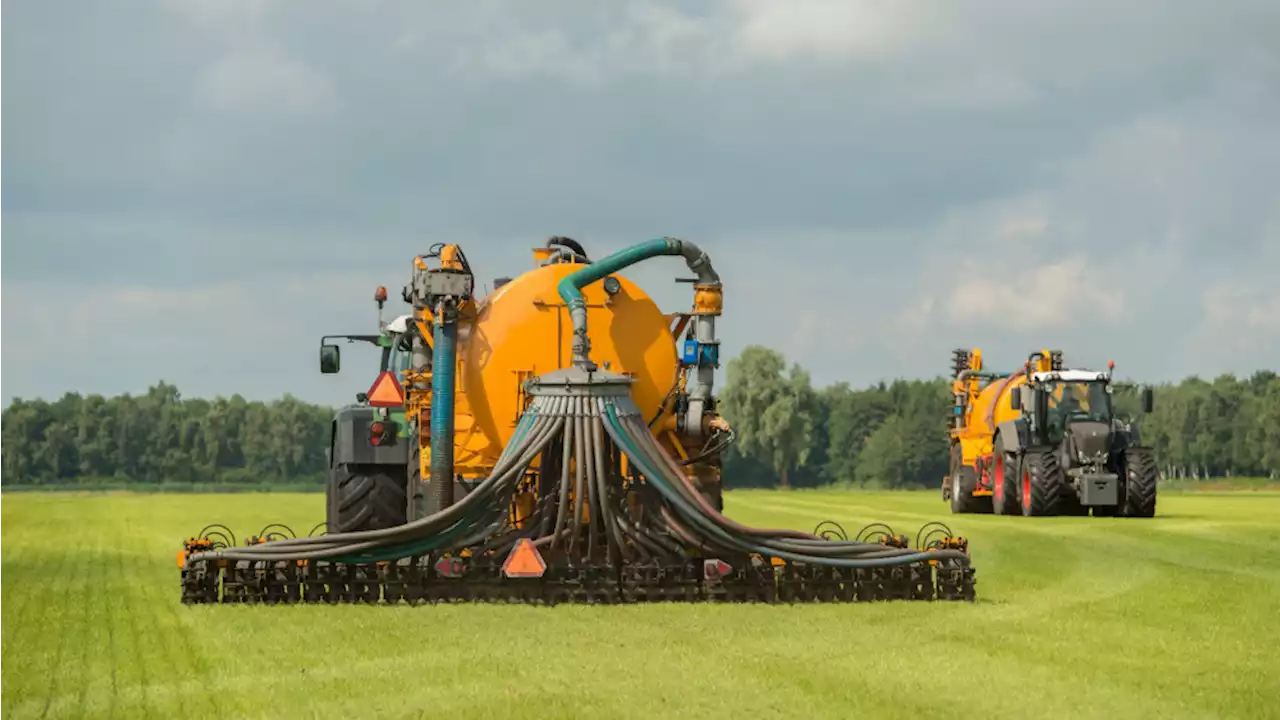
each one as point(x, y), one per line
point(1139, 489)
point(1004, 471)
point(365, 497)
point(1042, 484)
point(963, 481)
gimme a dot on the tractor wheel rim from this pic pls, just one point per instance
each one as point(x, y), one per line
point(1026, 489)
point(998, 490)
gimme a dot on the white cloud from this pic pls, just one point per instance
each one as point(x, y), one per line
point(217, 338)
point(221, 14)
point(830, 29)
point(844, 160)
point(1249, 314)
point(262, 79)
point(1022, 227)
point(1030, 297)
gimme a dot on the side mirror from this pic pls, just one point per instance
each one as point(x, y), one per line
point(1148, 400)
point(329, 359)
point(1015, 399)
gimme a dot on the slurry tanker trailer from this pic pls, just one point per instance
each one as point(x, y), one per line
point(554, 441)
point(1044, 440)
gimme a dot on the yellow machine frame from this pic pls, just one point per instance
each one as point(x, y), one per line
point(470, 464)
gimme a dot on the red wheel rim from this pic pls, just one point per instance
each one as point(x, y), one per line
point(1026, 489)
point(998, 489)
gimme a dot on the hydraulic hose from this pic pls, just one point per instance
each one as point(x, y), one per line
point(562, 507)
point(443, 366)
point(532, 435)
point(579, 481)
point(787, 539)
point(570, 287)
point(573, 246)
point(613, 535)
point(719, 535)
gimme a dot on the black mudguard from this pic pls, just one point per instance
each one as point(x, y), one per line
point(349, 440)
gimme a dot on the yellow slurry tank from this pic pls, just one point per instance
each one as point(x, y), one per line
point(555, 441)
point(523, 329)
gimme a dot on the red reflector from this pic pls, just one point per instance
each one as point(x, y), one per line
point(715, 569)
point(449, 567)
point(386, 391)
point(524, 561)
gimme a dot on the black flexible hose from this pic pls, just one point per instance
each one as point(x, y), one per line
point(570, 243)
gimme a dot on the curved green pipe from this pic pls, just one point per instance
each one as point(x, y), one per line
point(570, 287)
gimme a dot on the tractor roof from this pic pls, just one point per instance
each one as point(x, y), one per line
point(400, 324)
point(1069, 375)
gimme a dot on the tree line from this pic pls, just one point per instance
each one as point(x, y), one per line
point(890, 435)
point(162, 437)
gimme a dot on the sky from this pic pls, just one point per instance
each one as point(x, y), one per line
point(197, 190)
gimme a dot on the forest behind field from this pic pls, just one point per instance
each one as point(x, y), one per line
point(890, 435)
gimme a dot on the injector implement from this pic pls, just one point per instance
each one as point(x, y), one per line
point(555, 441)
point(1044, 440)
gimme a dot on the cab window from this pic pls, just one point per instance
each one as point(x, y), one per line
point(399, 362)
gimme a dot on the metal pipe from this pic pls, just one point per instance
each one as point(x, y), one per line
point(570, 287)
point(444, 362)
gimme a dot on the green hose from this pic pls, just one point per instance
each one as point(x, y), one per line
point(570, 287)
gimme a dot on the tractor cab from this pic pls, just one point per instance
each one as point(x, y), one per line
point(1069, 397)
point(398, 356)
point(1073, 410)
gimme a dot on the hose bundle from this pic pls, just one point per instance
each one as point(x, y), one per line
point(588, 508)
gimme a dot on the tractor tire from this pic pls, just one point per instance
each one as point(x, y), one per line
point(963, 481)
point(1004, 499)
point(365, 497)
point(1042, 484)
point(1139, 490)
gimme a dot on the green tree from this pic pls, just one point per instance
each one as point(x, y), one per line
point(773, 410)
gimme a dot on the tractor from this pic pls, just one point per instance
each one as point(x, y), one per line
point(555, 440)
point(1045, 440)
point(369, 444)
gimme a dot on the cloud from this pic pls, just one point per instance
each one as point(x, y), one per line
point(1053, 296)
point(262, 79)
point(223, 338)
point(1246, 313)
point(835, 29)
point(221, 14)
point(877, 182)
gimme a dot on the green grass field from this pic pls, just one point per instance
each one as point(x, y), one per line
point(1174, 617)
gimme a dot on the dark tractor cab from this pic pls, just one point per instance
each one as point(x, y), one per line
point(1074, 453)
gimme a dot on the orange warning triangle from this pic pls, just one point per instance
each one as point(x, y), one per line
point(524, 561)
point(386, 391)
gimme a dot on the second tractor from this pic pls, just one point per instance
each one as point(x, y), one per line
point(1044, 440)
